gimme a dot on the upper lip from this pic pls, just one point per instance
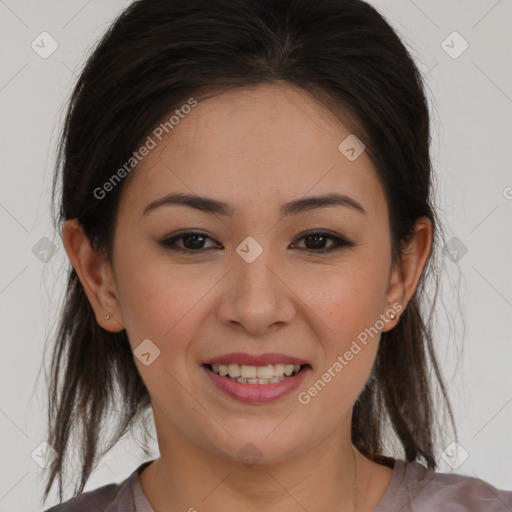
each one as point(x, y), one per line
point(255, 359)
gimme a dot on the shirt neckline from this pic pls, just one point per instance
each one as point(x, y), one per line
point(394, 485)
point(142, 504)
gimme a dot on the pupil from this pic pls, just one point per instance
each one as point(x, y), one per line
point(195, 237)
point(316, 237)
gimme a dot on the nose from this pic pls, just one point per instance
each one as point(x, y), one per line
point(256, 296)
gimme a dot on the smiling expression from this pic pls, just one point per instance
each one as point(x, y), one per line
point(252, 173)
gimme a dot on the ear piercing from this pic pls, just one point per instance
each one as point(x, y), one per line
point(107, 317)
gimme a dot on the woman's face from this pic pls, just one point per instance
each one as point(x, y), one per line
point(254, 283)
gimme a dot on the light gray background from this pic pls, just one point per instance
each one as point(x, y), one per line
point(471, 101)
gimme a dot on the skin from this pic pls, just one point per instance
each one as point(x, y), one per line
point(254, 148)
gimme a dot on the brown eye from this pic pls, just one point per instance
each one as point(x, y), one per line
point(190, 242)
point(317, 241)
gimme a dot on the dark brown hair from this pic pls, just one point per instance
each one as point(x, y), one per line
point(156, 55)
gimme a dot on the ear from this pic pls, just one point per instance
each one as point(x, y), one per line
point(95, 274)
point(406, 274)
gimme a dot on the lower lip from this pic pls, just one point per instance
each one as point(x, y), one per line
point(256, 393)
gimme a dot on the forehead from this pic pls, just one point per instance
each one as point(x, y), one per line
point(254, 145)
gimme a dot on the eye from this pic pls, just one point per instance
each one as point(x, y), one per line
point(315, 241)
point(191, 242)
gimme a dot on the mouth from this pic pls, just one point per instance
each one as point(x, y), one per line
point(256, 378)
point(255, 384)
point(247, 374)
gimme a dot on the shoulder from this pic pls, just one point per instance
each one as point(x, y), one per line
point(114, 497)
point(415, 488)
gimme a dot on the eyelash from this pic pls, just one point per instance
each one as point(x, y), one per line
point(339, 242)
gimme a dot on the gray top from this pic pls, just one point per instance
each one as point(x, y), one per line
point(412, 489)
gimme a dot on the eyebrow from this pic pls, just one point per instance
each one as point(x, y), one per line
point(210, 205)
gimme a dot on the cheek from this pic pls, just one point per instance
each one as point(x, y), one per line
point(345, 298)
point(164, 305)
point(346, 318)
point(157, 298)
point(347, 303)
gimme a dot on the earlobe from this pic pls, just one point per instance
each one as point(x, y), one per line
point(406, 275)
point(94, 273)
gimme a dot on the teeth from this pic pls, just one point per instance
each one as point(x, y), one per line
point(279, 370)
point(259, 381)
point(248, 372)
point(270, 373)
point(288, 369)
point(265, 372)
point(234, 370)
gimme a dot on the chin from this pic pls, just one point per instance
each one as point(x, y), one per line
point(265, 445)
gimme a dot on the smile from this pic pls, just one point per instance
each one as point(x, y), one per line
point(268, 374)
point(256, 384)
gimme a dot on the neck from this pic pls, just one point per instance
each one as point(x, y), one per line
point(188, 477)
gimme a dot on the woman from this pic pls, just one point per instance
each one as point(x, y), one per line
point(247, 208)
